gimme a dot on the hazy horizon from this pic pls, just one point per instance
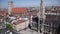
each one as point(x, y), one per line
point(29, 3)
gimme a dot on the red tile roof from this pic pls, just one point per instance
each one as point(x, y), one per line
point(19, 22)
point(18, 10)
point(2, 13)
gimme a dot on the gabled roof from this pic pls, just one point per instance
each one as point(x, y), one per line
point(19, 22)
point(18, 10)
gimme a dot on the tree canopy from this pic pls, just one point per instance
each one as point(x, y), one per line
point(8, 26)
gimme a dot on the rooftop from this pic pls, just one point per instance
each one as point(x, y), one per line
point(19, 21)
point(18, 10)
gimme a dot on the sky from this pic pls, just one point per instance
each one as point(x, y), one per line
point(29, 3)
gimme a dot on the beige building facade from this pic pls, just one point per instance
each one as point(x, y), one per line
point(20, 25)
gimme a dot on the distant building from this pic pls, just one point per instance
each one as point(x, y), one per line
point(49, 18)
point(20, 25)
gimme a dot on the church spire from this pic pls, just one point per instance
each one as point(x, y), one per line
point(10, 6)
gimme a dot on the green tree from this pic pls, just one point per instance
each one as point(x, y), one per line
point(8, 26)
point(0, 24)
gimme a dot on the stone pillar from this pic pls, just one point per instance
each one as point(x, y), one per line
point(31, 20)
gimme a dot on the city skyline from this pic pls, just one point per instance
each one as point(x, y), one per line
point(29, 3)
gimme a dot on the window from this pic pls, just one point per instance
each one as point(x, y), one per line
point(35, 18)
point(46, 28)
point(45, 33)
point(40, 22)
point(40, 31)
point(49, 24)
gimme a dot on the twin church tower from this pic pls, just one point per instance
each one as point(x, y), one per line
point(10, 6)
